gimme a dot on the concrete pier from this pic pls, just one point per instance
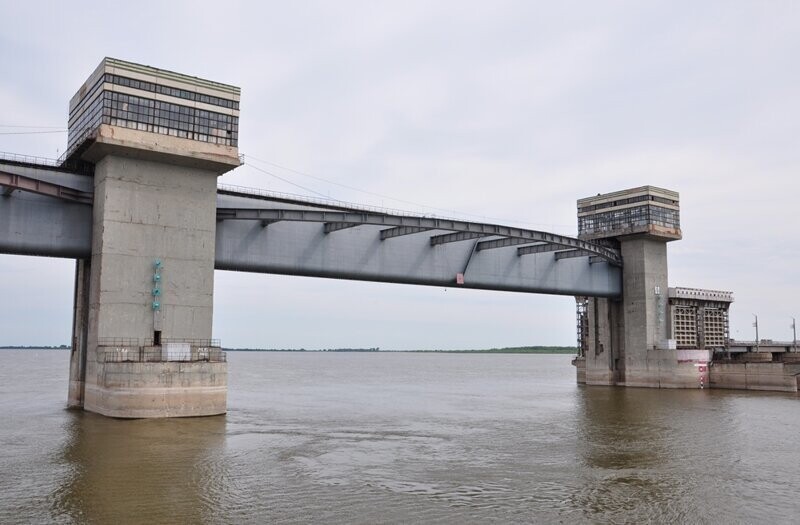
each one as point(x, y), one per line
point(80, 333)
point(147, 211)
point(627, 340)
point(142, 343)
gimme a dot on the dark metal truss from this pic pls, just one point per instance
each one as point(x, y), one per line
point(455, 237)
point(501, 243)
point(398, 225)
point(400, 231)
point(12, 181)
point(541, 248)
point(549, 241)
point(567, 254)
point(336, 226)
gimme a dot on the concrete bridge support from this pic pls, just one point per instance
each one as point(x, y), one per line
point(628, 338)
point(157, 141)
point(80, 333)
point(149, 213)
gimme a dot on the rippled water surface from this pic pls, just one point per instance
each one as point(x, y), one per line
point(390, 438)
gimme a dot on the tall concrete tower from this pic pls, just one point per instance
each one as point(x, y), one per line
point(157, 140)
point(627, 339)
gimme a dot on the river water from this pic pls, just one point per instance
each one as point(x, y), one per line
point(400, 438)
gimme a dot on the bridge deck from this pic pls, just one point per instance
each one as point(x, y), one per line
point(272, 233)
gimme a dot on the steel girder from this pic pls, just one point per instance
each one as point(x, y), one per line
point(455, 237)
point(558, 242)
point(339, 220)
point(400, 231)
point(13, 181)
point(51, 224)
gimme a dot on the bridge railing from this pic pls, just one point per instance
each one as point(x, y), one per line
point(126, 350)
point(33, 160)
point(319, 201)
point(138, 355)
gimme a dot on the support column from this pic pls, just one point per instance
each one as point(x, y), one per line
point(629, 334)
point(158, 140)
point(644, 300)
point(147, 211)
point(605, 351)
point(80, 328)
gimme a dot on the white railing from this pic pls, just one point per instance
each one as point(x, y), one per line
point(319, 201)
point(700, 294)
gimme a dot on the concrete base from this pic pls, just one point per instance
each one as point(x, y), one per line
point(75, 394)
point(80, 322)
point(155, 390)
point(601, 377)
point(661, 370)
point(648, 369)
point(580, 367)
point(778, 377)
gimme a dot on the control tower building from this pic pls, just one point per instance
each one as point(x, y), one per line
point(626, 341)
point(156, 141)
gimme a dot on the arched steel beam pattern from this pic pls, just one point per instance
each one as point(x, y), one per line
point(553, 241)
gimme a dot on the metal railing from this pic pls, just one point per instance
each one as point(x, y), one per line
point(61, 163)
point(133, 350)
point(139, 355)
point(214, 343)
point(319, 201)
point(118, 341)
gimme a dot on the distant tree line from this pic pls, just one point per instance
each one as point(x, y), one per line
point(375, 349)
point(505, 350)
point(36, 347)
point(512, 350)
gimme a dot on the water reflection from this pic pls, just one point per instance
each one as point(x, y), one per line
point(622, 443)
point(618, 430)
point(145, 471)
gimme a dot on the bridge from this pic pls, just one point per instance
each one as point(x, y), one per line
point(48, 212)
point(135, 201)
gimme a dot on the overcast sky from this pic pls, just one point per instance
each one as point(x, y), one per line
point(506, 110)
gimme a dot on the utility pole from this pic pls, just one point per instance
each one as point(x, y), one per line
point(794, 334)
point(755, 324)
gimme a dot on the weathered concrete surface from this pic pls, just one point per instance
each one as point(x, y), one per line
point(625, 343)
point(162, 389)
point(656, 369)
point(580, 366)
point(80, 328)
point(624, 336)
point(662, 369)
point(756, 376)
point(605, 344)
point(162, 149)
point(144, 211)
point(644, 311)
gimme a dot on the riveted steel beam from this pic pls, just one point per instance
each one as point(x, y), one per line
point(336, 226)
point(12, 181)
point(569, 254)
point(400, 231)
point(539, 248)
point(384, 219)
point(502, 243)
point(456, 237)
